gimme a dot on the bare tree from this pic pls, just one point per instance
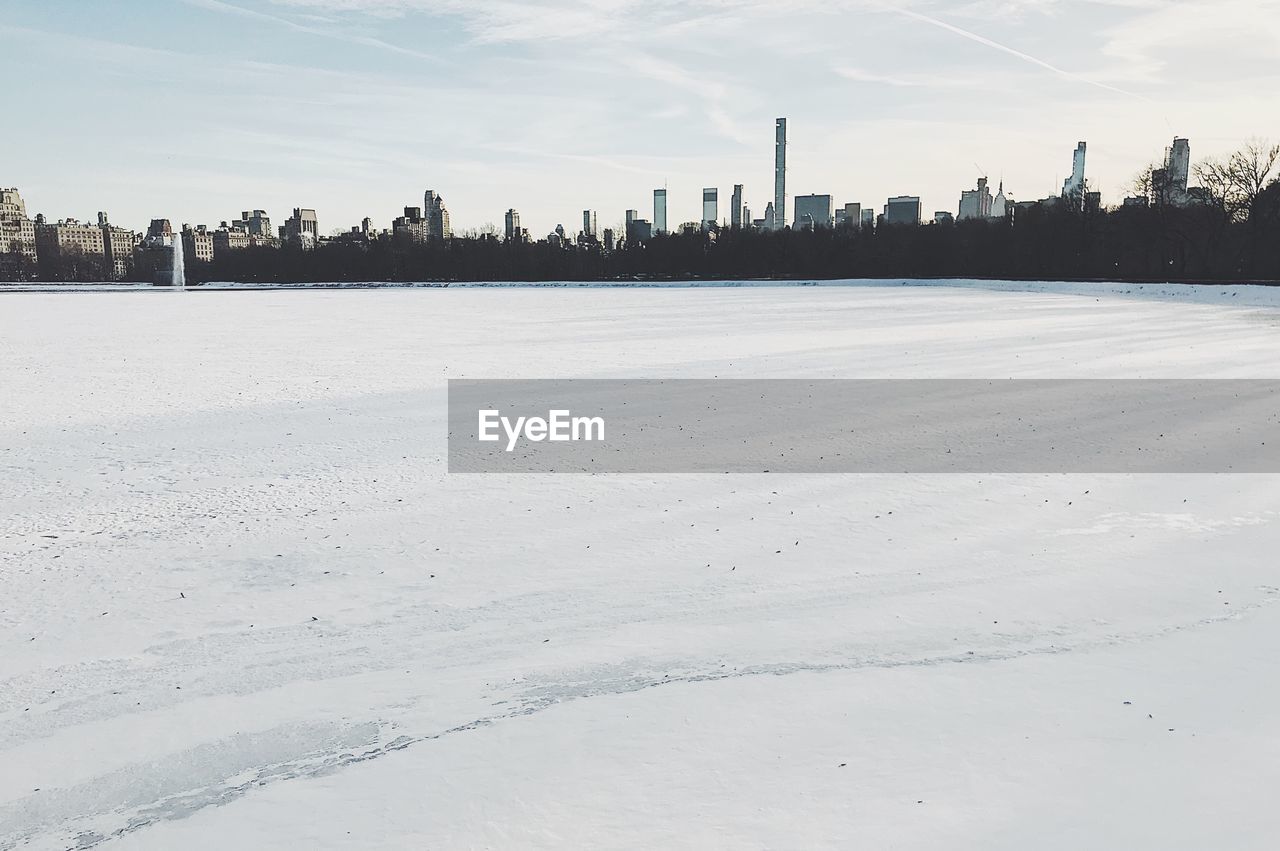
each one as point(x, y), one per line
point(1141, 184)
point(1255, 164)
point(1236, 182)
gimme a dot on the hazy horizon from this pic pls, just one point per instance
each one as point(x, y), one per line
point(197, 110)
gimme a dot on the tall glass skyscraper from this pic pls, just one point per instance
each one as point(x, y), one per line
point(780, 175)
point(710, 207)
point(660, 210)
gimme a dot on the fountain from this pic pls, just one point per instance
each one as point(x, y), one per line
point(179, 272)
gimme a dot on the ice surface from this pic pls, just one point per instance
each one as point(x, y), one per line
point(243, 606)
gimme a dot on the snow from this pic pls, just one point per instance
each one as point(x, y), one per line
point(243, 605)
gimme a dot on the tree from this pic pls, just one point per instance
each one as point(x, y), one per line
point(1141, 185)
point(1234, 183)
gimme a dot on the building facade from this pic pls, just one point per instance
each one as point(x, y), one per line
point(118, 245)
point(779, 174)
point(230, 237)
point(849, 216)
point(71, 250)
point(197, 243)
point(255, 223)
point(512, 221)
point(436, 215)
point(813, 211)
point(710, 208)
point(410, 227)
point(976, 203)
point(639, 231)
point(301, 229)
point(1073, 186)
point(18, 253)
point(1000, 204)
point(660, 210)
point(902, 210)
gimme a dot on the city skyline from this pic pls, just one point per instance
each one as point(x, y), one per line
point(201, 109)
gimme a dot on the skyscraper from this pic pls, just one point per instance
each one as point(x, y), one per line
point(812, 211)
point(436, 216)
point(1073, 187)
point(850, 215)
point(301, 229)
point(735, 213)
point(780, 174)
point(976, 203)
point(513, 225)
point(660, 210)
point(589, 223)
point(1178, 161)
point(710, 208)
point(999, 204)
point(902, 210)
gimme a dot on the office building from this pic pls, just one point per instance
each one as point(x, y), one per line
point(902, 210)
point(1073, 186)
point(868, 218)
point(301, 229)
point(255, 223)
point(512, 225)
point(410, 227)
point(589, 224)
point(943, 217)
point(770, 219)
point(436, 216)
point(849, 216)
point(735, 211)
point(976, 203)
point(1178, 162)
point(813, 211)
point(710, 208)
point(1000, 204)
point(608, 239)
point(780, 174)
point(639, 231)
point(660, 210)
point(1169, 184)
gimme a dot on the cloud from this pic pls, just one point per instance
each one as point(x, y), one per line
point(1017, 54)
point(339, 32)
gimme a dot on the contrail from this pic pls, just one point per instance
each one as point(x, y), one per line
point(972, 36)
point(367, 41)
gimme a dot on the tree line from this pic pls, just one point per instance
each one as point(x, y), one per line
point(1043, 242)
point(1230, 232)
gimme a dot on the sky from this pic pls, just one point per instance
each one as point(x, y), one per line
point(195, 110)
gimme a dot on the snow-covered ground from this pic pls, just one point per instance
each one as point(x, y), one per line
point(242, 605)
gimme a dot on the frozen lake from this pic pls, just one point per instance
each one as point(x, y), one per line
point(242, 605)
